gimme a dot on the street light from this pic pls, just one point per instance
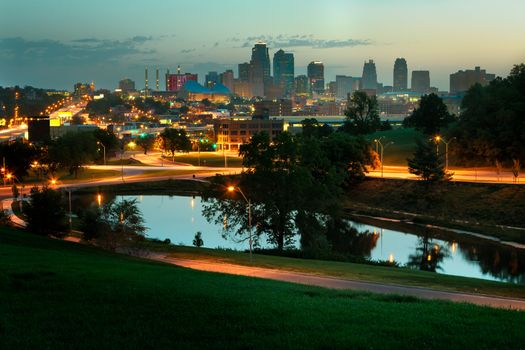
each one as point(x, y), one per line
point(441, 139)
point(382, 147)
point(104, 148)
point(249, 203)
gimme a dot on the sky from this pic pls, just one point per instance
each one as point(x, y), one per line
point(56, 43)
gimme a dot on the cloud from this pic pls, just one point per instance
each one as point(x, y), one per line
point(79, 51)
point(303, 40)
point(186, 51)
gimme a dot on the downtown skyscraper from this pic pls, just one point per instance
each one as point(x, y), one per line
point(283, 71)
point(259, 68)
point(369, 80)
point(400, 75)
point(316, 77)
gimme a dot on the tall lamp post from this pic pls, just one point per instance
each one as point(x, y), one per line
point(439, 139)
point(249, 204)
point(104, 149)
point(382, 148)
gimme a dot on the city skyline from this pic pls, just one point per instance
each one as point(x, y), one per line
point(66, 45)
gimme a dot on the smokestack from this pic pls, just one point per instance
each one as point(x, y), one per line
point(178, 69)
point(157, 82)
point(147, 85)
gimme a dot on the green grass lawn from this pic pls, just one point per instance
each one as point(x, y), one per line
point(60, 295)
point(345, 270)
point(403, 147)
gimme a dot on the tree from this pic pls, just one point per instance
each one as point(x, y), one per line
point(45, 213)
point(197, 240)
point(491, 127)
point(115, 224)
point(174, 140)
point(287, 178)
point(18, 157)
point(427, 164)
point(73, 150)
point(312, 128)
point(431, 116)
point(362, 116)
point(146, 142)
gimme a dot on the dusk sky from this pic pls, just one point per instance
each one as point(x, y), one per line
point(55, 43)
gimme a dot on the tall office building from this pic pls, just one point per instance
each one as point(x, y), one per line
point(283, 71)
point(316, 76)
point(175, 82)
point(244, 71)
point(126, 85)
point(369, 80)
point(226, 79)
point(420, 81)
point(301, 85)
point(259, 68)
point(400, 75)
point(345, 85)
point(461, 81)
point(211, 79)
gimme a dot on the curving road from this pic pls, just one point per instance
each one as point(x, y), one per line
point(337, 283)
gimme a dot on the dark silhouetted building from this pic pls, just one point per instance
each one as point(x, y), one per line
point(259, 68)
point(244, 71)
point(461, 81)
point(283, 71)
point(345, 85)
point(420, 81)
point(226, 79)
point(400, 75)
point(39, 129)
point(126, 85)
point(316, 76)
point(273, 108)
point(369, 80)
point(211, 79)
point(301, 85)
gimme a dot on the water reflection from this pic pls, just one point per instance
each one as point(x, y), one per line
point(179, 218)
point(429, 254)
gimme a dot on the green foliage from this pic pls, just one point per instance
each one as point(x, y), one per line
point(286, 177)
point(312, 128)
point(45, 213)
point(197, 240)
point(103, 105)
point(492, 125)
point(32, 101)
point(72, 150)
point(427, 164)
point(174, 140)
point(146, 142)
point(106, 138)
point(114, 224)
point(362, 116)
point(431, 116)
point(15, 191)
point(18, 157)
point(151, 105)
point(5, 218)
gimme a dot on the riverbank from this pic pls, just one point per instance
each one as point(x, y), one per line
point(489, 209)
point(74, 295)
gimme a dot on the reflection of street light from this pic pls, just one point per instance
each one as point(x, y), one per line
point(99, 199)
point(249, 203)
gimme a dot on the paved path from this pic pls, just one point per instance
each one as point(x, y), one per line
point(336, 283)
point(7, 206)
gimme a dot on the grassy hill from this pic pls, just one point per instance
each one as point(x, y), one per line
point(61, 295)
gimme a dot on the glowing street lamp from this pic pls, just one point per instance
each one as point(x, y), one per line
point(439, 139)
point(249, 204)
